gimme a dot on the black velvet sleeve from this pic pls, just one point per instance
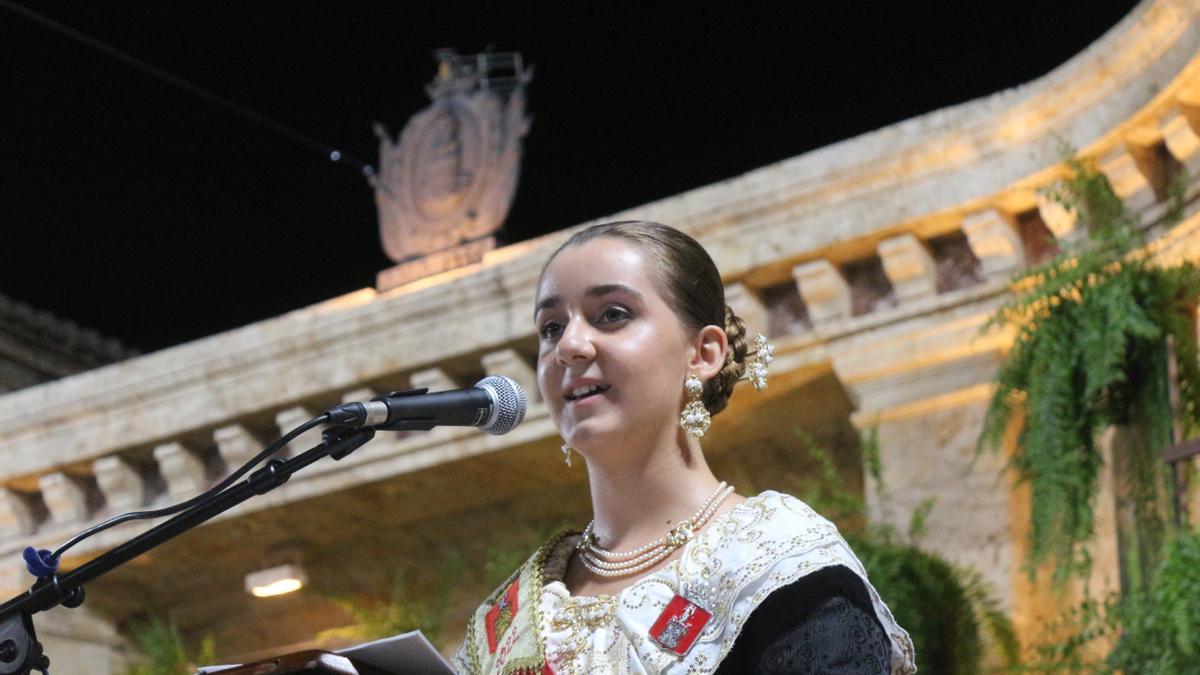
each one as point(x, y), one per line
point(822, 623)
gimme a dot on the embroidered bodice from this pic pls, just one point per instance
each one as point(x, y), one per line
point(696, 604)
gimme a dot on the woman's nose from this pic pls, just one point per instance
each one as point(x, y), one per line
point(575, 343)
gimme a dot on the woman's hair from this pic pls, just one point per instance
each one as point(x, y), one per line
point(689, 281)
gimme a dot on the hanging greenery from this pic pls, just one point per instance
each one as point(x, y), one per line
point(1092, 328)
point(1153, 628)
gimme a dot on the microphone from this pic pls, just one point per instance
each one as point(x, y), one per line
point(495, 404)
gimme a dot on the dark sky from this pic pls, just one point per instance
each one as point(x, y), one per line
point(153, 216)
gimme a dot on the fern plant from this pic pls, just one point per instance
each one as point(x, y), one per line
point(162, 650)
point(1092, 327)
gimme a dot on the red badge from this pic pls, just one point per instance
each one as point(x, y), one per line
point(679, 624)
point(500, 616)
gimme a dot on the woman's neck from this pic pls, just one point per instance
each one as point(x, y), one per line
point(634, 503)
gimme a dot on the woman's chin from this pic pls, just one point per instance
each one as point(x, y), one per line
point(596, 433)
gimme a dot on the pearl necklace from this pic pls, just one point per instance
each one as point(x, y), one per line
point(605, 563)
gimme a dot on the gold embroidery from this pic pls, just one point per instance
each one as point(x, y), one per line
point(731, 566)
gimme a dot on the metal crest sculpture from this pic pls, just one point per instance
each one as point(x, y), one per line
point(446, 186)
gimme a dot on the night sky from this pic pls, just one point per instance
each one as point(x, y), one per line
point(153, 216)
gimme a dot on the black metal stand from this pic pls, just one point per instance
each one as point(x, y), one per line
point(21, 653)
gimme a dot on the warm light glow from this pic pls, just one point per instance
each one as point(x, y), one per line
point(276, 581)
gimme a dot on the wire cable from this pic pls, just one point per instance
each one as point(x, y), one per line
point(175, 508)
point(334, 154)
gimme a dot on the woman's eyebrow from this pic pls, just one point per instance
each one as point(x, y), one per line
point(545, 303)
point(551, 301)
point(605, 289)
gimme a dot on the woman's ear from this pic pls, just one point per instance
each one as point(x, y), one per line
point(710, 349)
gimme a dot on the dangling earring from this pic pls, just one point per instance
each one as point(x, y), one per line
point(695, 418)
point(566, 454)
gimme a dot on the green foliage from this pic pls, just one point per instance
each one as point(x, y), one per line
point(161, 645)
point(1090, 351)
point(928, 599)
point(1155, 627)
point(411, 605)
point(1162, 627)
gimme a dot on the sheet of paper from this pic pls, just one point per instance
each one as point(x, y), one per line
point(408, 653)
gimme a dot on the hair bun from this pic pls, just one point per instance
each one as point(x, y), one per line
point(721, 386)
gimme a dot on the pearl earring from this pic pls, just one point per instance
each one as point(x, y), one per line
point(694, 418)
point(566, 450)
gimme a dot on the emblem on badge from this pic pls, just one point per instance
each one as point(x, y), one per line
point(501, 616)
point(679, 624)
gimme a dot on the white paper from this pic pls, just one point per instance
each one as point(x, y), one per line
point(406, 654)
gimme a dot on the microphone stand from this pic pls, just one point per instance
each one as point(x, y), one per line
point(20, 651)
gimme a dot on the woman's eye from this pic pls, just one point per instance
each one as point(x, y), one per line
point(549, 330)
point(614, 314)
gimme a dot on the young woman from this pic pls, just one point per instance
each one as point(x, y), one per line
point(675, 573)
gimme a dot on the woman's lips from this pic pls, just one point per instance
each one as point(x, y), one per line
point(587, 399)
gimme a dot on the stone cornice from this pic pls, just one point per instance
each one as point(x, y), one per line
point(952, 159)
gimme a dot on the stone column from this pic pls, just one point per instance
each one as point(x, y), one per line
point(924, 390)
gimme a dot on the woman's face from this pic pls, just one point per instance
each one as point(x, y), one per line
point(612, 354)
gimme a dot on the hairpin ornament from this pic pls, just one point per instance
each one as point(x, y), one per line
point(762, 356)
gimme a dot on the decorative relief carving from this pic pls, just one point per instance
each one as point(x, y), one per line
point(450, 178)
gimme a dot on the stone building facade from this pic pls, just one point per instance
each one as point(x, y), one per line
point(37, 347)
point(872, 263)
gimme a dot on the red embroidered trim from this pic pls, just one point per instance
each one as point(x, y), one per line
point(501, 615)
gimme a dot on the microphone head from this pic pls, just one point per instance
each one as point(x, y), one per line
point(508, 404)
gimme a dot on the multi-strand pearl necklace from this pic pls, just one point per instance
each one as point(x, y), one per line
point(607, 563)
